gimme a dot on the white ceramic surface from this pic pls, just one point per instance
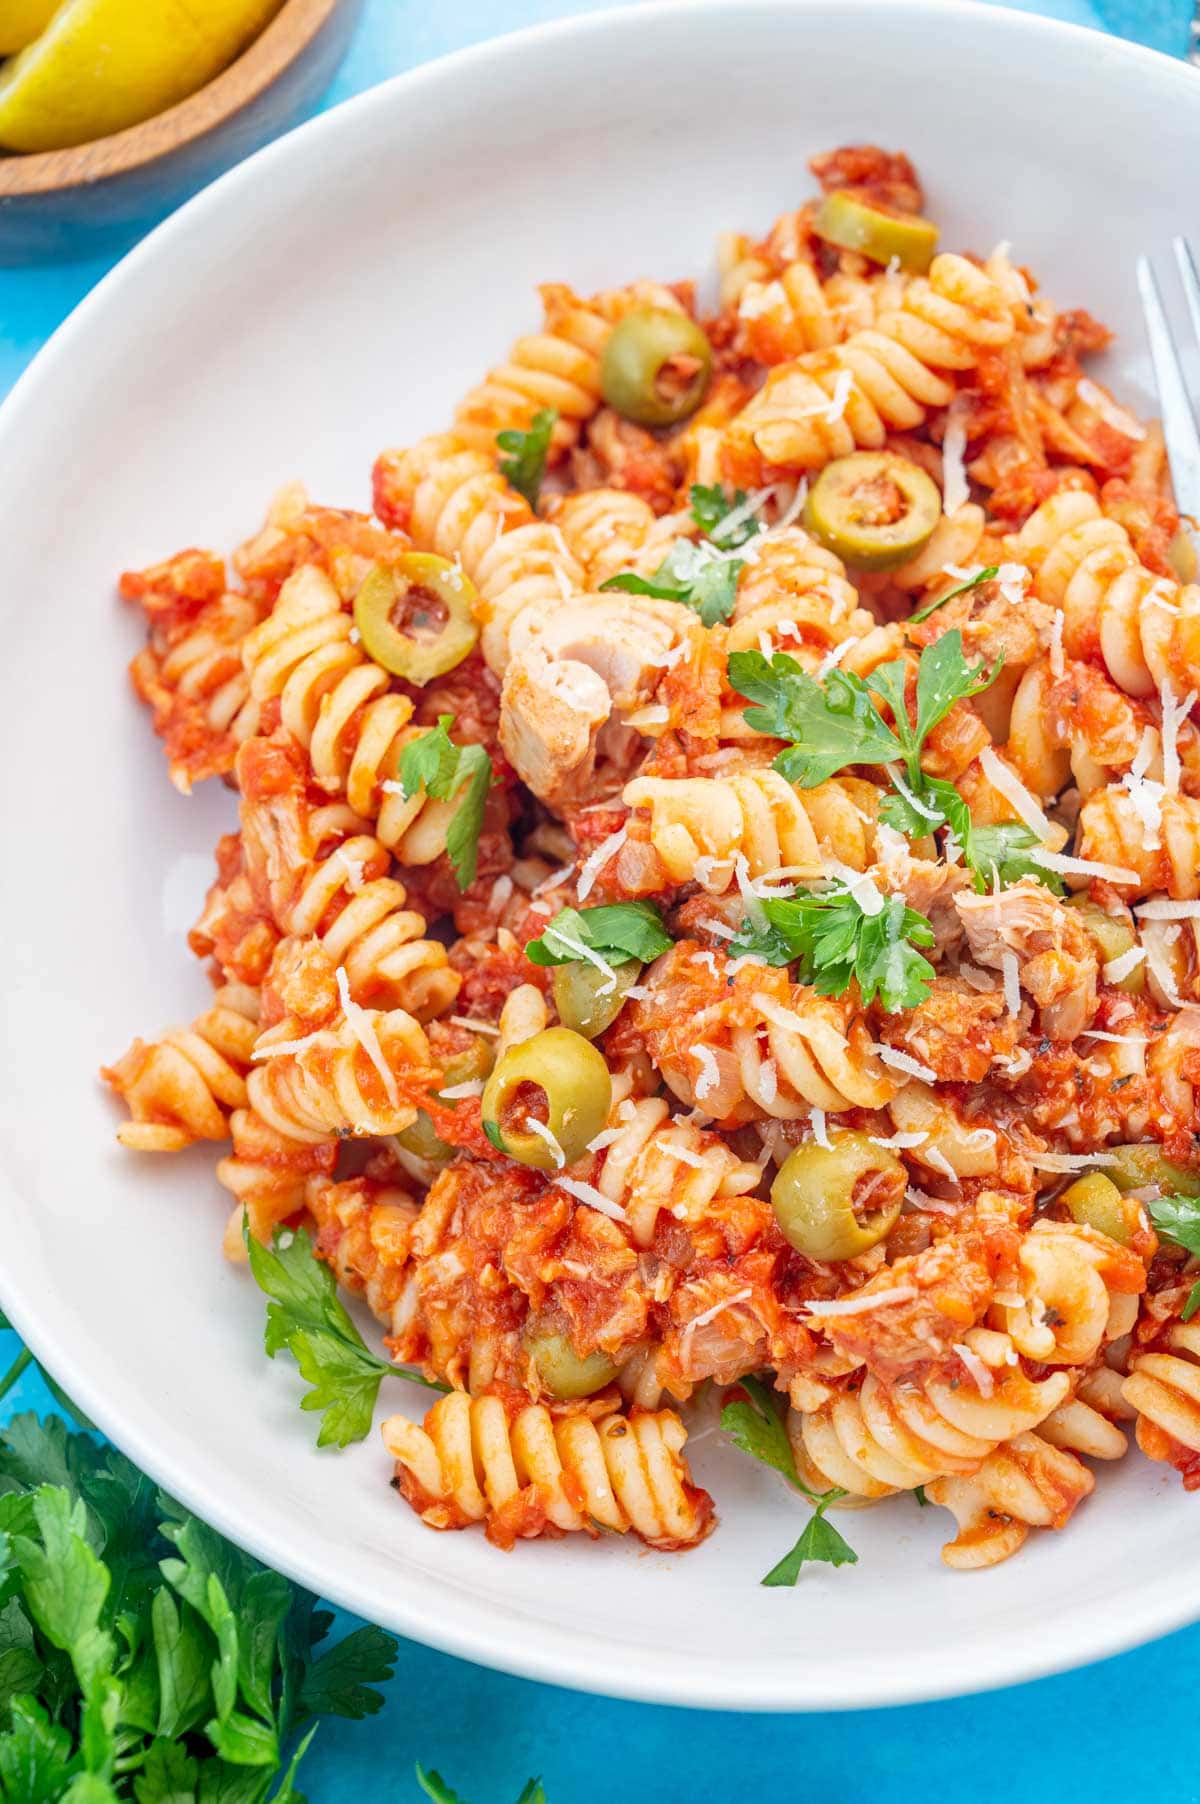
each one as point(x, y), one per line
point(331, 296)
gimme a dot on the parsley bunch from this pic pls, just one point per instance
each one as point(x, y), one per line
point(838, 723)
point(144, 1658)
point(700, 576)
point(1177, 1219)
point(523, 463)
point(835, 941)
point(308, 1318)
point(755, 1427)
point(615, 933)
point(434, 763)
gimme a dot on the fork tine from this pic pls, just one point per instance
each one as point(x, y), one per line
point(1188, 275)
point(1179, 422)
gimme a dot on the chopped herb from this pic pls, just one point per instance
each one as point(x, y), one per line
point(1177, 1219)
point(756, 1428)
point(980, 576)
point(524, 462)
point(307, 1316)
point(618, 931)
point(1001, 854)
point(692, 574)
point(835, 723)
point(711, 508)
point(919, 1494)
point(834, 941)
point(442, 769)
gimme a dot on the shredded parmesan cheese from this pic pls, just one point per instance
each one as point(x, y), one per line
point(363, 1028)
point(1160, 909)
point(457, 1092)
point(984, 1382)
point(899, 1142)
point(595, 861)
point(322, 1037)
point(956, 490)
point(544, 1133)
point(710, 1075)
point(476, 1027)
point(819, 1131)
point(1071, 1161)
point(686, 1155)
point(901, 1061)
point(1056, 643)
point(1081, 867)
point(1012, 982)
point(860, 1304)
point(936, 1157)
point(1117, 969)
point(710, 1315)
point(1006, 782)
point(595, 1199)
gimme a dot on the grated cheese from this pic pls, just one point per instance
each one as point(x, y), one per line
point(919, 807)
point(555, 878)
point(842, 387)
point(1097, 1033)
point(1160, 968)
point(710, 1075)
point(720, 928)
point(1112, 415)
point(1056, 643)
point(686, 1155)
point(595, 1199)
point(1160, 909)
point(768, 886)
point(1119, 968)
point(363, 1029)
point(544, 1133)
point(859, 1305)
point(457, 1092)
point(476, 1027)
point(606, 1137)
point(710, 1315)
point(978, 980)
point(859, 884)
point(1071, 1161)
point(354, 869)
point(931, 1205)
point(901, 1061)
point(1006, 782)
point(322, 1037)
point(1145, 795)
point(936, 1157)
point(354, 636)
point(984, 1381)
point(1173, 715)
point(1012, 982)
point(819, 1131)
point(579, 950)
point(1081, 867)
point(956, 490)
point(760, 298)
point(768, 1083)
point(1018, 1063)
point(899, 1142)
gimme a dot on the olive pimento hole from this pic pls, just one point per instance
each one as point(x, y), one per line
point(418, 612)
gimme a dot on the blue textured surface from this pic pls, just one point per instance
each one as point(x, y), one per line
point(1096, 1736)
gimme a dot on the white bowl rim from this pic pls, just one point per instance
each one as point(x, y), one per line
point(708, 1684)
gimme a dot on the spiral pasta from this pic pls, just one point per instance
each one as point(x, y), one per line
point(268, 1174)
point(1144, 627)
point(1112, 833)
point(1163, 1386)
point(356, 1076)
point(534, 1475)
point(1078, 1289)
point(1027, 1483)
point(182, 1086)
point(610, 530)
point(656, 1163)
point(699, 826)
point(794, 596)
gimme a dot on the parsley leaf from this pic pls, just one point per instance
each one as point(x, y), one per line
point(524, 462)
point(307, 1316)
point(755, 1427)
point(819, 1541)
point(1001, 854)
point(442, 769)
point(835, 723)
point(1177, 1219)
point(435, 1787)
point(711, 509)
point(834, 942)
point(980, 576)
point(615, 932)
point(340, 1682)
point(691, 574)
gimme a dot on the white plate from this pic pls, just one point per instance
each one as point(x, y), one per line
point(334, 295)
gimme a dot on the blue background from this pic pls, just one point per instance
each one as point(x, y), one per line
point(1097, 1735)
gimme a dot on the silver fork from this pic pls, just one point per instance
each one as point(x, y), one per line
point(1178, 416)
point(1193, 54)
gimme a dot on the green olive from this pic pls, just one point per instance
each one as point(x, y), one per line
point(572, 1078)
point(836, 1201)
point(1136, 1167)
point(422, 1138)
point(1113, 937)
point(656, 366)
point(880, 233)
point(433, 599)
point(587, 999)
point(561, 1369)
point(873, 508)
point(1095, 1202)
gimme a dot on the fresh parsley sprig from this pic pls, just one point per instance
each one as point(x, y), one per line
point(695, 575)
point(442, 769)
point(755, 1427)
point(1177, 1219)
point(523, 464)
point(308, 1318)
point(834, 941)
point(435, 1787)
point(972, 582)
point(144, 1658)
point(724, 522)
point(615, 933)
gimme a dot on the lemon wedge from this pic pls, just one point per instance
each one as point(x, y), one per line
point(101, 65)
point(21, 21)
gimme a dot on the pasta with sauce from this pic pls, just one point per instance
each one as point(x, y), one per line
point(713, 903)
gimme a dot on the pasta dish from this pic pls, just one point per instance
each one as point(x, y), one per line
point(713, 919)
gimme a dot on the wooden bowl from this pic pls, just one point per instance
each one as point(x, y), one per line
point(104, 194)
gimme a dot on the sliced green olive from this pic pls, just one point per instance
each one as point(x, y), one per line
point(557, 1078)
point(837, 1201)
point(656, 366)
point(422, 1138)
point(587, 999)
point(873, 508)
point(880, 233)
point(1136, 1167)
point(1095, 1202)
point(563, 1371)
point(1113, 938)
point(414, 616)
